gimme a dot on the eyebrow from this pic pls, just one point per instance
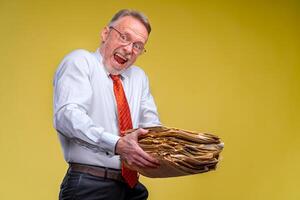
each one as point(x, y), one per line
point(138, 34)
point(130, 36)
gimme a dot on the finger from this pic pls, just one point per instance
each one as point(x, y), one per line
point(135, 165)
point(137, 133)
point(147, 157)
point(147, 164)
point(141, 131)
point(135, 159)
point(140, 161)
point(139, 164)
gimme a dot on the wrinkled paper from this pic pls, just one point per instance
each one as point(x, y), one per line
point(179, 152)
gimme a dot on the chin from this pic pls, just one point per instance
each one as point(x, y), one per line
point(120, 67)
point(117, 67)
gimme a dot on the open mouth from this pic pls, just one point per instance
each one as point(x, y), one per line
point(120, 58)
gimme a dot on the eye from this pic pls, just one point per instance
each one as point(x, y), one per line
point(124, 37)
point(138, 46)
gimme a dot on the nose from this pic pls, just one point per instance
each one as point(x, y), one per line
point(128, 48)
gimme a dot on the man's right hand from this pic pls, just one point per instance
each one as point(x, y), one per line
point(133, 155)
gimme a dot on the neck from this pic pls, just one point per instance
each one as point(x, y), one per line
point(108, 68)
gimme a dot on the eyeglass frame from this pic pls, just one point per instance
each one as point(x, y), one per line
point(128, 42)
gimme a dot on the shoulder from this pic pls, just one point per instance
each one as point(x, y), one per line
point(77, 62)
point(137, 76)
point(135, 71)
point(79, 59)
point(78, 55)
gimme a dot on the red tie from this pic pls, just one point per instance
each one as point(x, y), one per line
point(125, 123)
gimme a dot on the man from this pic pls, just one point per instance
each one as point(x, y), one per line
point(97, 96)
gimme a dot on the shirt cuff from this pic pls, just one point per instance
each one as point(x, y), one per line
point(108, 142)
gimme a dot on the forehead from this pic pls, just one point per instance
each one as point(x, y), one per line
point(132, 26)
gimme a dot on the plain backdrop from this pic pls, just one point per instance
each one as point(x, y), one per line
point(230, 68)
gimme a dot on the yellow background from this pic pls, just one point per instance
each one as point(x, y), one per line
point(226, 67)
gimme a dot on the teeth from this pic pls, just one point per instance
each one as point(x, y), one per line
point(121, 56)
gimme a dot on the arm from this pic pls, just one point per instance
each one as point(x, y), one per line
point(127, 146)
point(148, 115)
point(72, 96)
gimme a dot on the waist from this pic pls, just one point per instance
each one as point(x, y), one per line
point(75, 153)
point(97, 171)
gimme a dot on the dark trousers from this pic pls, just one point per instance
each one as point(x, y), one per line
point(82, 186)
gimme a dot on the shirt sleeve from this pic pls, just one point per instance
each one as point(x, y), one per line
point(148, 115)
point(72, 98)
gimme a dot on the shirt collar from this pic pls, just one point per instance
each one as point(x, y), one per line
point(124, 74)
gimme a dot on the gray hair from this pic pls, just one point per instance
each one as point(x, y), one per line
point(133, 13)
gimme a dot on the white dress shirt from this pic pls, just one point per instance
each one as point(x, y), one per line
point(85, 112)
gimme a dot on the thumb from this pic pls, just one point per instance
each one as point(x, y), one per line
point(141, 131)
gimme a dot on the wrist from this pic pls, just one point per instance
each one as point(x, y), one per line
point(117, 147)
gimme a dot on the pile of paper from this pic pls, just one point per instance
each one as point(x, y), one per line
point(180, 152)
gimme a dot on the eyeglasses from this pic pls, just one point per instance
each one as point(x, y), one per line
point(125, 39)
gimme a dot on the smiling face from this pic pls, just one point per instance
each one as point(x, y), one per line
point(118, 56)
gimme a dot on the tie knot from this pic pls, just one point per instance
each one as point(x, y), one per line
point(115, 77)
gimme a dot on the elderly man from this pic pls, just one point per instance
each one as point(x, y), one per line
point(97, 96)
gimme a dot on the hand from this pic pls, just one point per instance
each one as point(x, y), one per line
point(133, 155)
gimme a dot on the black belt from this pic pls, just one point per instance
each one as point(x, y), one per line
point(97, 171)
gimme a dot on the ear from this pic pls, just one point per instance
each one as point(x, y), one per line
point(104, 34)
